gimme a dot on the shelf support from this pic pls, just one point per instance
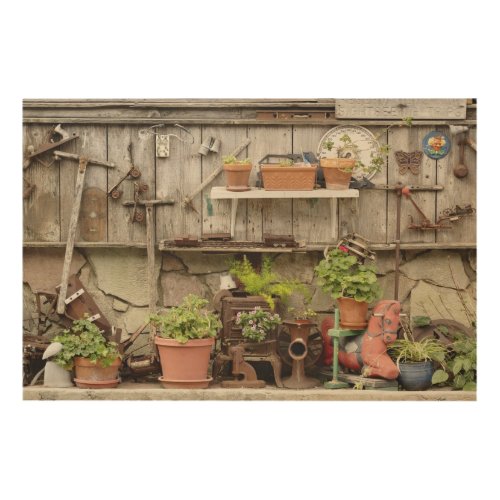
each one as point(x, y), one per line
point(234, 208)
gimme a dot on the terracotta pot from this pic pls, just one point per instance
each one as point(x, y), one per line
point(297, 178)
point(333, 170)
point(237, 176)
point(94, 375)
point(184, 365)
point(352, 313)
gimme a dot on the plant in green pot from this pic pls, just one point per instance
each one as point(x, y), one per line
point(352, 283)
point(96, 360)
point(185, 338)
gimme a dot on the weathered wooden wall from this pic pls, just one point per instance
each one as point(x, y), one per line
point(47, 210)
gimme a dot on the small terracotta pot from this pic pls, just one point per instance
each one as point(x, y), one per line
point(184, 365)
point(352, 313)
point(335, 175)
point(237, 176)
point(94, 375)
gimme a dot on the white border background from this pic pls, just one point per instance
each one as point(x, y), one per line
point(256, 49)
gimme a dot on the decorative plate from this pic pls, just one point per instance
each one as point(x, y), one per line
point(367, 146)
point(436, 145)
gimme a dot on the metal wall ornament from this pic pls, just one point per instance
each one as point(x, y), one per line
point(436, 145)
point(409, 161)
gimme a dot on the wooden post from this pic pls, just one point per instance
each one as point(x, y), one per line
point(150, 245)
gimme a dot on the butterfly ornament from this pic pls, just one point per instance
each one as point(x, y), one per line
point(409, 161)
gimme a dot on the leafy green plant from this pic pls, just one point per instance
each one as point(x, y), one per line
point(342, 275)
point(188, 321)
point(257, 323)
point(84, 339)
point(460, 364)
point(265, 283)
point(232, 159)
point(287, 162)
point(303, 313)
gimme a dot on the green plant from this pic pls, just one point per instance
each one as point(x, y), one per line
point(84, 339)
point(302, 313)
point(188, 321)
point(232, 159)
point(460, 364)
point(265, 283)
point(286, 163)
point(342, 275)
point(257, 323)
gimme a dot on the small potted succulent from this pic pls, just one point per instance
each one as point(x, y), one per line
point(257, 323)
point(287, 174)
point(96, 360)
point(302, 315)
point(185, 338)
point(237, 173)
point(353, 284)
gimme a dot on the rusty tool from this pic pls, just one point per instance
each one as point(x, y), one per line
point(133, 173)
point(138, 216)
point(51, 144)
point(461, 169)
point(83, 161)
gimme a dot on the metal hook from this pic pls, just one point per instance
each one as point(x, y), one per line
point(150, 131)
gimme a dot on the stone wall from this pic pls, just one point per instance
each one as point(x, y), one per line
point(433, 283)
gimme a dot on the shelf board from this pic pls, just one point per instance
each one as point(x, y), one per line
point(221, 193)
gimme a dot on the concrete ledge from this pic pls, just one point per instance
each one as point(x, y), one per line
point(130, 391)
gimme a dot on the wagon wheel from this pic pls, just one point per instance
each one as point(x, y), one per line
point(314, 345)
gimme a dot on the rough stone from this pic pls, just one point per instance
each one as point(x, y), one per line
point(122, 273)
point(42, 267)
point(438, 302)
point(472, 290)
point(412, 254)
point(295, 266)
point(213, 282)
point(134, 318)
point(434, 267)
point(386, 262)
point(387, 284)
point(472, 259)
point(321, 301)
point(29, 309)
point(171, 263)
point(119, 305)
point(176, 286)
point(198, 263)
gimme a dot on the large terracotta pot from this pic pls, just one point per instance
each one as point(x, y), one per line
point(335, 175)
point(94, 375)
point(237, 176)
point(352, 313)
point(296, 178)
point(184, 365)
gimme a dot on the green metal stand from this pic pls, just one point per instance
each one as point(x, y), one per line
point(337, 333)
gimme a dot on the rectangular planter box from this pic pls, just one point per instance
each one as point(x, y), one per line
point(299, 178)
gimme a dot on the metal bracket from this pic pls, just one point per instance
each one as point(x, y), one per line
point(162, 146)
point(94, 317)
point(77, 294)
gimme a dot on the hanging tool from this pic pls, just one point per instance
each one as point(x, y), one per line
point(187, 202)
point(50, 144)
point(209, 144)
point(138, 215)
point(133, 173)
point(163, 140)
point(83, 161)
point(461, 169)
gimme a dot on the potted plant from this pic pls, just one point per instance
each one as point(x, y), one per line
point(303, 315)
point(287, 174)
point(257, 323)
point(96, 360)
point(415, 359)
point(237, 173)
point(353, 284)
point(185, 338)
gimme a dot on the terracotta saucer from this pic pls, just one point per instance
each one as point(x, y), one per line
point(185, 384)
point(96, 384)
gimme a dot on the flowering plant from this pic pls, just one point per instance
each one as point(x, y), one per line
point(257, 323)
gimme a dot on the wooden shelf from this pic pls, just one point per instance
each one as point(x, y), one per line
point(221, 193)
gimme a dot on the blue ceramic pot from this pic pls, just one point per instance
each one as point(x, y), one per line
point(416, 376)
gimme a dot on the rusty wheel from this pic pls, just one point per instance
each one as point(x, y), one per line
point(135, 173)
point(115, 194)
point(143, 188)
point(314, 345)
point(139, 216)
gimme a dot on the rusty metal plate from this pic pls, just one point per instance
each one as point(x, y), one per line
point(93, 215)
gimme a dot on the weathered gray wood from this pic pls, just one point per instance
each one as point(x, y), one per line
point(41, 209)
point(176, 177)
point(457, 191)
point(120, 225)
point(150, 245)
point(220, 220)
point(400, 108)
point(75, 212)
point(368, 215)
point(410, 139)
point(312, 219)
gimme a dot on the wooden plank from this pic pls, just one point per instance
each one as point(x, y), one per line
point(217, 217)
point(457, 191)
point(221, 193)
point(93, 144)
point(177, 176)
point(312, 219)
point(400, 108)
point(41, 209)
point(272, 216)
point(368, 215)
point(409, 139)
point(120, 225)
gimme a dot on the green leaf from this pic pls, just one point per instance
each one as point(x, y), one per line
point(459, 381)
point(469, 386)
point(439, 377)
point(467, 364)
point(457, 366)
point(421, 321)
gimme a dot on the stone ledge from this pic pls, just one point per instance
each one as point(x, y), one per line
point(130, 391)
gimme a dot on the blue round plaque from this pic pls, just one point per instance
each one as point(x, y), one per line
point(436, 145)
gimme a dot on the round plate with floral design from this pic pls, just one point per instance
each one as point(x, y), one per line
point(436, 145)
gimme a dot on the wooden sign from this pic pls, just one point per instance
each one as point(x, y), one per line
point(452, 109)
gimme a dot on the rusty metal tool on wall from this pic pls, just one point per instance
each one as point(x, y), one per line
point(83, 161)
